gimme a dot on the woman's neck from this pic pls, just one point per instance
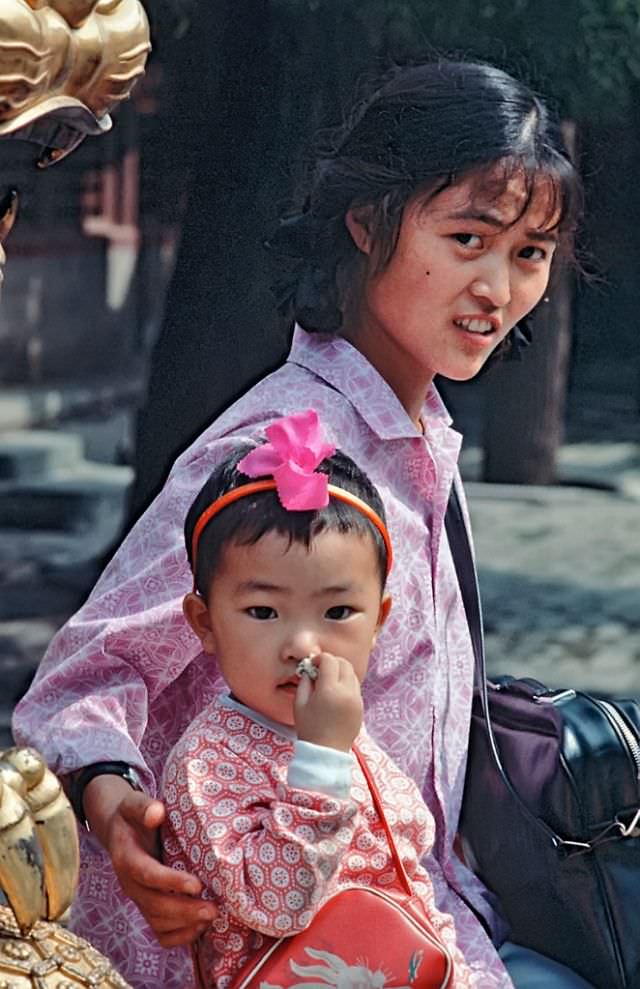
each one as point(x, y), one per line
point(407, 381)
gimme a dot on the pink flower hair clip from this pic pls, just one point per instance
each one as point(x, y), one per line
point(287, 463)
point(295, 448)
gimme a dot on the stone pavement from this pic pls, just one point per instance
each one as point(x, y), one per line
point(559, 566)
point(559, 570)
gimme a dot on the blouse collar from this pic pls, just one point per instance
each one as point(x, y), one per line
point(344, 368)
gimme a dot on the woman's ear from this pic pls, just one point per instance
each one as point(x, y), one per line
point(196, 612)
point(358, 221)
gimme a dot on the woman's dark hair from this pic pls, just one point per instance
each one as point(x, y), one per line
point(245, 521)
point(423, 129)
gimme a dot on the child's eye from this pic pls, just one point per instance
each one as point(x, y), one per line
point(339, 612)
point(533, 253)
point(262, 612)
point(468, 240)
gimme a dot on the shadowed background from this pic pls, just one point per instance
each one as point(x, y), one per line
point(137, 305)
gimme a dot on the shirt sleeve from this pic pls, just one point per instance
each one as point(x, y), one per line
point(266, 852)
point(91, 695)
point(319, 768)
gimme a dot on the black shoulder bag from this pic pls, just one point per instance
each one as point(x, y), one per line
point(551, 813)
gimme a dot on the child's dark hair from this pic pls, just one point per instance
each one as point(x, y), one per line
point(422, 129)
point(245, 521)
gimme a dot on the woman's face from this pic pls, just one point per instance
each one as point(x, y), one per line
point(462, 275)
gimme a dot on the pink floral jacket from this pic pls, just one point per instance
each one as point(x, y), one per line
point(271, 854)
point(125, 676)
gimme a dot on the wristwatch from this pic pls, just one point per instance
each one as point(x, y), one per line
point(84, 776)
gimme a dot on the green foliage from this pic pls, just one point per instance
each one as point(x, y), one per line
point(585, 52)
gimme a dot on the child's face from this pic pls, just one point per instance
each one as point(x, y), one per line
point(462, 275)
point(273, 603)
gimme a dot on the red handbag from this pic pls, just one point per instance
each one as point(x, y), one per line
point(362, 938)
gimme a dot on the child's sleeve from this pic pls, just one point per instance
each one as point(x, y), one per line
point(319, 768)
point(267, 852)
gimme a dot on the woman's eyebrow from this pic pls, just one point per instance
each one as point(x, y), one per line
point(544, 236)
point(471, 214)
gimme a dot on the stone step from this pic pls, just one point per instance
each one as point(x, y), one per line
point(73, 500)
point(28, 454)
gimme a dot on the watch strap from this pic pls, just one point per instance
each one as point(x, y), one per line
point(81, 779)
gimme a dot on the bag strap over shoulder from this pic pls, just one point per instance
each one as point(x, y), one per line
point(460, 547)
point(377, 803)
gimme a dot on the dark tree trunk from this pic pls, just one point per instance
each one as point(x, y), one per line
point(215, 337)
point(261, 78)
point(525, 401)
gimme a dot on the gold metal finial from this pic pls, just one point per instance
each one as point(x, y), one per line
point(21, 865)
point(39, 861)
point(39, 854)
point(56, 829)
point(64, 65)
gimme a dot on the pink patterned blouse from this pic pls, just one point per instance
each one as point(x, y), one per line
point(271, 854)
point(125, 676)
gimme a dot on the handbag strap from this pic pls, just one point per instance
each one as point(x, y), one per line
point(397, 861)
point(462, 554)
point(377, 803)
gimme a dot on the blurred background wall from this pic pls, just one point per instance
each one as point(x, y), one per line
point(137, 298)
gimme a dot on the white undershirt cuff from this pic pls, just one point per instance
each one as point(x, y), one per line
point(321, 769)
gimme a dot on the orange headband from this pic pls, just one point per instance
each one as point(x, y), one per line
point(255, 487)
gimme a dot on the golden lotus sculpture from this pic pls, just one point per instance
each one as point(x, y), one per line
point(39, 861)
point(64, 64)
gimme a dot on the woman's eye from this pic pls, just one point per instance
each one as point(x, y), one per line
point(533, 253)
point(339, 612)
point(262, 612)
point(468, 240)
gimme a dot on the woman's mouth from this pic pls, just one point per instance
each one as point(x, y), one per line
point(475, 324)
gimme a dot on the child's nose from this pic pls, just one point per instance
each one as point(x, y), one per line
point(300, 643)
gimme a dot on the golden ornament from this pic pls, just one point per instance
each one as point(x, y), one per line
point(64, 64)
point(39, 861)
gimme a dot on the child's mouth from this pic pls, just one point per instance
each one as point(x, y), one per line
point(290, 686)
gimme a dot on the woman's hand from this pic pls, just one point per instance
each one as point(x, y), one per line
point(126, 823)
point(328, 710)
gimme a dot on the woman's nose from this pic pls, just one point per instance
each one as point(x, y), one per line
point(493, 287)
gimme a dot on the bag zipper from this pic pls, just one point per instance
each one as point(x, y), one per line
point(632, 742)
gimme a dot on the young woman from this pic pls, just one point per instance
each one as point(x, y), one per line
point(427, 234)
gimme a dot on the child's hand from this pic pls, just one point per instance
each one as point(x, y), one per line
point(328, 710)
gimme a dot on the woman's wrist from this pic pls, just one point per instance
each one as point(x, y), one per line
point(80, 780)
point(102, 797)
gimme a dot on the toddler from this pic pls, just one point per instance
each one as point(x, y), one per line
point(265, 802)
